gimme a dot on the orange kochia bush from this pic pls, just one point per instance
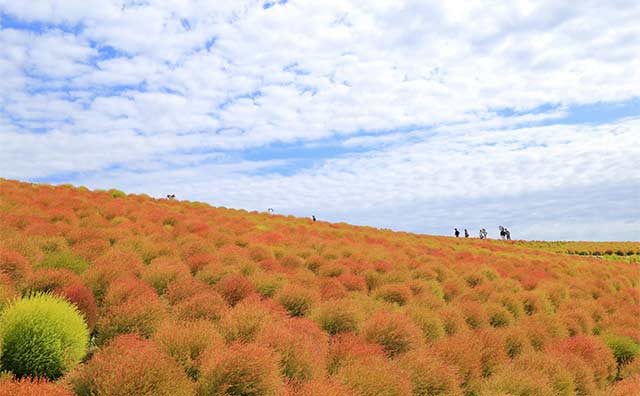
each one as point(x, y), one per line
point(32, 387)
point(130, 365)
point(242, 369)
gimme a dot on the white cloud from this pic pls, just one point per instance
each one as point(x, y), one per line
point(132, 84)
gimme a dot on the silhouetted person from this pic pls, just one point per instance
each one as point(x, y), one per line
point(503, 234)
point(456, 232)
point(483, 234)
point(314, 218)
point(466, 233)
point(171, 196)
point(507, 234)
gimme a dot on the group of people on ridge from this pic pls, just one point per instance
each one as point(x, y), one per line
point(505, 234)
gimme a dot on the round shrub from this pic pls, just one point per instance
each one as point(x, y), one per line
point(81, 296)
point(15, 265)
point(235, 288)
point(628, 386)
point(268, 285)
point(337, 317)
point(394, 332)
point(42, 336)
point(394, 293)
point(64, 259)
point(111, 266)
point(499, 316)
point(374, 376)
point(130, 365)
point(591, 350)
point(346, 347)
point(183, 288)
point(185, 342)
point(117, 193)
point(241, 370)
point(163, 271)
point(244, 321)
point(430, 324)
point(353, 282)
point(297, 300)
point(517, 381)
point(131, 306)
point(301, 346)
point(624, 348)
point(203, 305)
point(430, 376)
point(331, 288)
point(453, 320)
point(50, 279)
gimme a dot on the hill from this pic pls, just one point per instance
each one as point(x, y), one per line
point(182, 298)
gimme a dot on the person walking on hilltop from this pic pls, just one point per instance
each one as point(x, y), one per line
point(483, 233)
point(507, 234)
point(502, 233)
point(466, 233)
point(456, 232)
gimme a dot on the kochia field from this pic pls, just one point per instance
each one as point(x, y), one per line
point(181, 298)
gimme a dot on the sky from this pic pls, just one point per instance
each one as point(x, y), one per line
point(413, 115)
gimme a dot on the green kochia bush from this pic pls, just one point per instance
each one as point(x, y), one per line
point(41, 335)
point(64, 259)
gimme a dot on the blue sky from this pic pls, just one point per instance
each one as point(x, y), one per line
point(412, 115)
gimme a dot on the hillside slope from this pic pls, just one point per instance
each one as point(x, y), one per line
point(189, 299)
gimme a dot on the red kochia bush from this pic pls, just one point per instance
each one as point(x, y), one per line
point(234, 288)
point(394, 293)
point(198, 261)
point(301, 346)
point(164, 270)
point(130, 365)
point(28, 387)
point(374, 375)
point(206, 304)
point(396, 333)
point(183, 288)
point(475, 354)
point(296, 299)
point(14, 265)
point(331, 288)
point(626, 387)
point(348, 346)
point(111, 266)
point(429, 375)
point(593, 351)
point(241, 370)
point(81, 296)
point(50, 279)
point(185, 342)
point(244, 321)
point(353, 282)
point(131, 306)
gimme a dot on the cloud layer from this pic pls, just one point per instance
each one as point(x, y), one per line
point(413, 115)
